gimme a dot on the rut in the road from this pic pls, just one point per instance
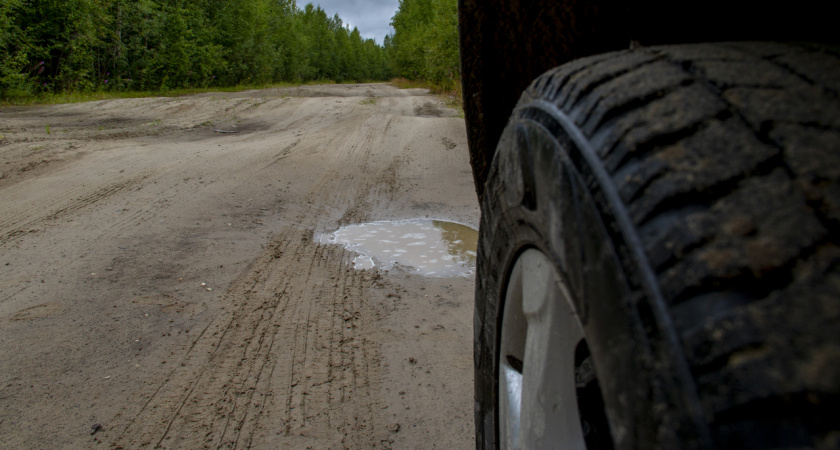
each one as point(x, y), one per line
point(235, 380)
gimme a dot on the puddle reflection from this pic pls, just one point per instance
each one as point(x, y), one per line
point(431, 247)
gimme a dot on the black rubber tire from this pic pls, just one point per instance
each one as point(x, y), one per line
point(689, 197)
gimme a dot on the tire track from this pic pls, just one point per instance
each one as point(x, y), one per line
point(200, 377)
point(319, 389)
point(21, 223)
point(321, 384)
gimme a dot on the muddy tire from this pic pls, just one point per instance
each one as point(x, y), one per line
point(686, 202)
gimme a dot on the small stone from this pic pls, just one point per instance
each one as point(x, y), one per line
point(394, 428)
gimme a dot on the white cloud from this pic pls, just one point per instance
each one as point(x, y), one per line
point(371, 17)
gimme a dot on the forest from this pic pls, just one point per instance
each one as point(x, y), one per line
point(49, 46)
point(424, 45)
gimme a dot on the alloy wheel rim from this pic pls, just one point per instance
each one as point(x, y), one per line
point(538, 405)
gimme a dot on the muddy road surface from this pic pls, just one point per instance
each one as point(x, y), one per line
point(163, 284)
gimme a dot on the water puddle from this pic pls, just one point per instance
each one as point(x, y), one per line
point(431, 247)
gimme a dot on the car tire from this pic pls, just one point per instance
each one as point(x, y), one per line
point(659, 254)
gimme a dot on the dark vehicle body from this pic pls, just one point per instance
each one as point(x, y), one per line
point(659, 247)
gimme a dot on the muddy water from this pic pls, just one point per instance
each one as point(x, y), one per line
point(430, 247)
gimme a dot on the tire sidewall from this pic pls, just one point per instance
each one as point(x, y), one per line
point(554, 211)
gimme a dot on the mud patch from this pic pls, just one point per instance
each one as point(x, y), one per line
point(448, 143)
point(99, 124)
point(428, 109)
point(430, 247)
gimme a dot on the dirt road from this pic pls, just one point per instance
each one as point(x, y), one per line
point(161, 284)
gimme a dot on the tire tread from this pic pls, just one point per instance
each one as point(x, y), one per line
point(737, 202)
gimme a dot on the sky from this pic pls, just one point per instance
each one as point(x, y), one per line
point(371, 17)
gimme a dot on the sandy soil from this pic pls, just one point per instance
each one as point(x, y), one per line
point(113, 214)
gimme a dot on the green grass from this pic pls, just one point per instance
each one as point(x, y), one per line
point(81, 97)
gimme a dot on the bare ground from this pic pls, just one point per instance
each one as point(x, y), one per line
point(113, 214)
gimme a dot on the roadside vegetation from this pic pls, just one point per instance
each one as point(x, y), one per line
point(58, 51)
point(424, 46)
point(51, 98)
point(83, 47)
point(450, 94)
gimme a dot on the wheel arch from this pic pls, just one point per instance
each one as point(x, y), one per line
point(506, 44)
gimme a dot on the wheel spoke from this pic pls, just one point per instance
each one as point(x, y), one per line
point(512, 353)
point(538, 403)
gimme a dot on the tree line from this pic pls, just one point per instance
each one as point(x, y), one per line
point(424, 44)
point(150, 45)
point(89, 45)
